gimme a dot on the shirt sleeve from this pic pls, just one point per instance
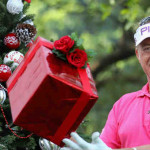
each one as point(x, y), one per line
point(109, 133)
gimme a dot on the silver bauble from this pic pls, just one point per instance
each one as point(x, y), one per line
point(47, 145)
point(2, 96)
point(14, 6)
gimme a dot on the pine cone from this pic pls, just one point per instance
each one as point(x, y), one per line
point(25, 32)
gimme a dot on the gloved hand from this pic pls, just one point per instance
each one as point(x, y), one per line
point(81, 144)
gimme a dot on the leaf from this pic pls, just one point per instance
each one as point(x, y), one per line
point(26, 7)
point(79, 42)
point(52, 40)
point(74, 36)
point(81, 47)
point(90, 53)
point(59, 54)
point(106, 10)
point(84, 67)
point(72, 49)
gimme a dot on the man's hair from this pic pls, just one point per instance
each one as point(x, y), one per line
point(144, 21)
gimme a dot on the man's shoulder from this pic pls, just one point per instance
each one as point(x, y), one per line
point(130, 95)
point(127, 98)
point(126, 102)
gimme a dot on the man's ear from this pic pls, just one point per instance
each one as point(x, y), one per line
point(137, 53)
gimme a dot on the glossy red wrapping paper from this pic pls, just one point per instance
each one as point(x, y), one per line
point(48, 96)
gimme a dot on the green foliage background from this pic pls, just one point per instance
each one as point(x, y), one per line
point(107, 27)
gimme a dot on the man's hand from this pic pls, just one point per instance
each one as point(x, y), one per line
point(81, 144)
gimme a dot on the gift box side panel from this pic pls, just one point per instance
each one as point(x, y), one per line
point(26, 85)
point(45, 112)
point(79, 120)
point(81, 117)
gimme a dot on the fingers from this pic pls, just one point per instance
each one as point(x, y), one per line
point(96, 138)
point(65, 148)
point(81, 142)
point(71, 144)
point(95, 135)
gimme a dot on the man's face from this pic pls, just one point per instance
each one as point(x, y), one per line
point(143, 55)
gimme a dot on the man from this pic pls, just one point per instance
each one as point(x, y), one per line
point(128, 123)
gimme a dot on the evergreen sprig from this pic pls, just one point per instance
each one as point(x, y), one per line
point(27, 17)
point(25, 8)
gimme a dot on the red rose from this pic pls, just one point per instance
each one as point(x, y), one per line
point(77, 58)
point(64, 44)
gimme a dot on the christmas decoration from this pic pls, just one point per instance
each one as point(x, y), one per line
point(5, 73)
point(14, 6)
point(2, 95)
point(29, 1)
point(11, 41)
point(71, 50)
point(25, 32)
point(77, 58)
point(47, 145)
point(13, 59)
point(68, 92)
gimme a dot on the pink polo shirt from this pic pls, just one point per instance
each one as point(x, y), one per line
point(128, 123)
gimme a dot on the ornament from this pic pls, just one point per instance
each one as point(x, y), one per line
point(11, 41)
point(25, 32)
point(47, 145)
point(14, 6)
point(5, 73)
point(2, 95)
point(29, 1)
point(13, 59)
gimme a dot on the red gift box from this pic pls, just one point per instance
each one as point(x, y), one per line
point(48, 96)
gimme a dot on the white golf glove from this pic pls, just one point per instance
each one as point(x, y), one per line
point(81, 144)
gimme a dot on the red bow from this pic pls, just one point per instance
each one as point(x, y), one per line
point(29, 1)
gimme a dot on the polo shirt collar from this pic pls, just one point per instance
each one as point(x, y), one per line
point(144, 91)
